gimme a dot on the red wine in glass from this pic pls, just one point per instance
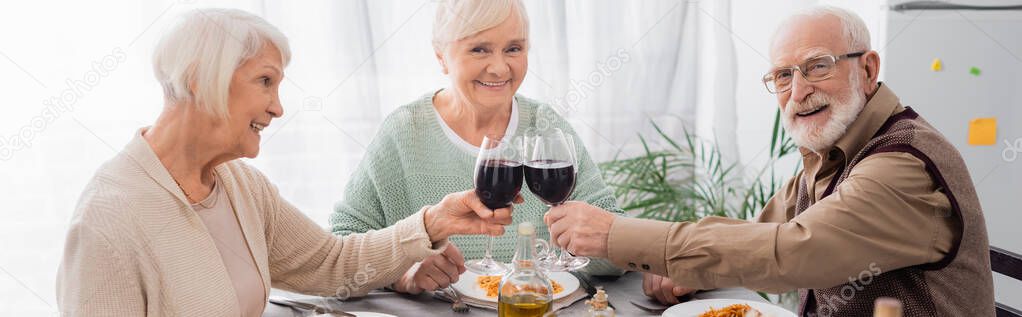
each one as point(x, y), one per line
point(550, 175)
point(498, 182)
point(551, 180)
point(498, 179)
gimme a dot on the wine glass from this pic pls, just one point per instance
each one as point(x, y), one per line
point(550, 175)
point(498, 179)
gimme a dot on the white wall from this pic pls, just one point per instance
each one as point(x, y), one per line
point(753, 22)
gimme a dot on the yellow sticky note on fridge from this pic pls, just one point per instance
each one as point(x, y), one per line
point(937, 65)
point(983, 131)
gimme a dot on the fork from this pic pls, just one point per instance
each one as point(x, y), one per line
point(459, 305)
point(653, 310)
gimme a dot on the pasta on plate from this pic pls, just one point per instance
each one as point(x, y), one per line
point(490, 283)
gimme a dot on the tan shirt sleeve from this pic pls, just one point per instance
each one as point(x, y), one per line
point(306, 258)
point(781, 207)
point(886, 215)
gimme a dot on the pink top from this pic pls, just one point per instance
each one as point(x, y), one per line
point(218, 215)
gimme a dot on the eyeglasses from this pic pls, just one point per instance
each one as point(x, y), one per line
point(813, 70)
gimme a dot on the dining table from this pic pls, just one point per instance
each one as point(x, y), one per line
point(621, 291)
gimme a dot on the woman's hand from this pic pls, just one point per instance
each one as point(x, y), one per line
point(662, 289)
point(464, 213)
point(434, 272)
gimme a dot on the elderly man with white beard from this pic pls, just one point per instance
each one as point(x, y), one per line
point(884, 206)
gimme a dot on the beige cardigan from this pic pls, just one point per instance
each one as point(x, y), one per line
point(135, 246)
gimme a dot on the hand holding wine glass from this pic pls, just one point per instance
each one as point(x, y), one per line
point(550, 174)
point(464, 213)
point(498, 179)
point(580, 228)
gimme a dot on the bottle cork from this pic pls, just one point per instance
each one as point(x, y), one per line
point(526, 229)
point(887, 307)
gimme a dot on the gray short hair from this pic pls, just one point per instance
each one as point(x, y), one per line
point(205, 48)
point(854, 29)
point(458, 19)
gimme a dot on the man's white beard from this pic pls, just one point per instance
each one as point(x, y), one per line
point(842, 113)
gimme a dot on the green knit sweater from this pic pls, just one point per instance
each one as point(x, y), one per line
point(412, 163)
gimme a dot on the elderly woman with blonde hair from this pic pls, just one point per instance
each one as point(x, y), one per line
point(175, 224)
point(428, 148)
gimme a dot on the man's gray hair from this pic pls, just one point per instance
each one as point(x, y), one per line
point(854, 29)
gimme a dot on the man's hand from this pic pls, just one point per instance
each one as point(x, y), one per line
point(662, 289)
point(434, 272)
point(464, 213)
point(580, 228)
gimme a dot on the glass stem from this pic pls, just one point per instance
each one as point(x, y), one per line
point(489, 247)
point(561, 257)
point(553, 248)
point(556, 254)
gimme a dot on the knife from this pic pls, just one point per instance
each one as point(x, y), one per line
point(308, 306)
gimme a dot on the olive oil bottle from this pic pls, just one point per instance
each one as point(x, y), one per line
point(525, 291)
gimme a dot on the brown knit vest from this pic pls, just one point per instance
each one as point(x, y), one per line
point(958, 285)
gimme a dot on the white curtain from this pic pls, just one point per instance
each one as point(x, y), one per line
point(612, 66)
point(77, 82)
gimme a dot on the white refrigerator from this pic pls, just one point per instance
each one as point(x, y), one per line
point(979, 76)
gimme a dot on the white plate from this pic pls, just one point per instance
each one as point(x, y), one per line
point(698, 307)
point(467, 285)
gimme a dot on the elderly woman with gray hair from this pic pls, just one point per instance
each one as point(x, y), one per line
point(175, 224)
point(428, 148)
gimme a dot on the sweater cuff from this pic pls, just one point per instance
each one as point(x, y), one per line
point(412, 236)
point(639, 245)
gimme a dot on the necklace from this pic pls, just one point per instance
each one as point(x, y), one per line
point(189, 197)
point(182, 188)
